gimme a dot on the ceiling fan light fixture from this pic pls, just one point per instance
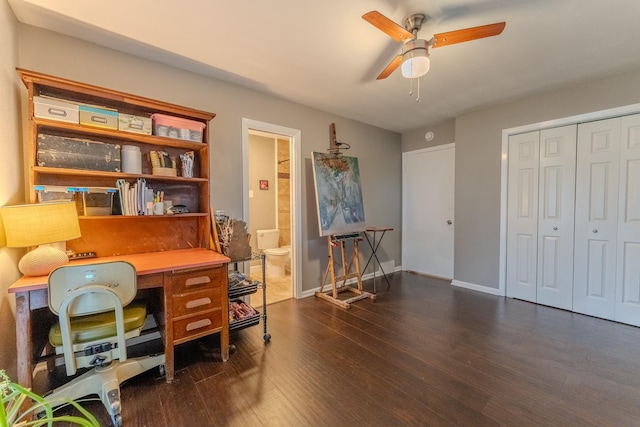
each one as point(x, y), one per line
point(415, 59)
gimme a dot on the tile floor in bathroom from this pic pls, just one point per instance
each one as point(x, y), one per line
point(278, 288)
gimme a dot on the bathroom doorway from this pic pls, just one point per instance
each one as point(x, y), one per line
point(270, 167)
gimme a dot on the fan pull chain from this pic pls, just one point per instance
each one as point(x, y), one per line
point(411, 90)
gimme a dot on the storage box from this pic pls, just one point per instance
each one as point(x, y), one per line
point(99, 117)
point(75, 153)
point(95, 201)
point(164, 171)
point(131, 123)
point(54, 193)
point(178, 128)
point(55, 109)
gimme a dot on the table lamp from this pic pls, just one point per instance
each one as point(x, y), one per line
point(40, 224)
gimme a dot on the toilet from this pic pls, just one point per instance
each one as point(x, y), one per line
point(276, 258)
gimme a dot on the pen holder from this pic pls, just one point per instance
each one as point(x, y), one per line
point(187, 164)
point(158, 208)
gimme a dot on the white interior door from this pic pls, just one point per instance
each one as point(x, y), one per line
point(627, 308)
point(427, 210)
point(522, 211)
point(556, 202)
point(597, 174)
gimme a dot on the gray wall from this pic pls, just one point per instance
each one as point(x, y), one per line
point(378, 150)
point(478, 137)
point(12, 175)
point(262, 157)
point(444, 133)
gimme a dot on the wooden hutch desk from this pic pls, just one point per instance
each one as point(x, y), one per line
point(194, 301)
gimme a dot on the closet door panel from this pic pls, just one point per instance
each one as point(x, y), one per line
point(522, 208)
point(556, 216)
point(596, 218)
point(628, 272)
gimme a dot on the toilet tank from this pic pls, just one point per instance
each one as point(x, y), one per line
point(268, 239)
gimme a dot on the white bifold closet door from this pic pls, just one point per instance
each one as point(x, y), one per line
point(556, 216)
point(607, 262)
point(597, 218)
point(628, 270)
point(540, 204)
point(522, 211)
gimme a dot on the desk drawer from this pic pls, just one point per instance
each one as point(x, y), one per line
point(197, 325)
point(146, 281)
point(195, 280)
point(195, 302)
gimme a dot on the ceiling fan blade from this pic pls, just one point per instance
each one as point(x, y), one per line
point(467, 34)
point(395, 63)
point(387, 26)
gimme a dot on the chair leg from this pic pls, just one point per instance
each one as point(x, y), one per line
point(105, 382)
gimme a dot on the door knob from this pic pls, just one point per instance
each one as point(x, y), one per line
point(555, 228)
point(595, 230)
point(449, 222)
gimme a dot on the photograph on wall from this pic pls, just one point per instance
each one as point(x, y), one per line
point(338, 194)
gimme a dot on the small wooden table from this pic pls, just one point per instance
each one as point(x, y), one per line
point(155, 270)
point(374, 249)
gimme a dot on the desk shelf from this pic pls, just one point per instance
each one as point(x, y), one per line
point(240, 291)
point(125, 237)
point(252, 287)
point(245, 322)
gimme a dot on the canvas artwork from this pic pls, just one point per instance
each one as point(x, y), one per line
point(338, 194)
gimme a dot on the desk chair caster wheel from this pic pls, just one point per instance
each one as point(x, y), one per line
point(232, 348)
point(267, 338)
point(161, 370)
point(117, 420)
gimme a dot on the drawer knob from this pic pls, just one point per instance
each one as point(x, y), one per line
point(195, 281)
point(198, 324)
point(198, 302)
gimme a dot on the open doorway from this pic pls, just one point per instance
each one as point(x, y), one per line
point(271, 170)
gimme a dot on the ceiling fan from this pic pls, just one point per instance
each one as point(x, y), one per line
point(415, 52)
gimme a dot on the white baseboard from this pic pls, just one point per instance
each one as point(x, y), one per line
point(479, 288)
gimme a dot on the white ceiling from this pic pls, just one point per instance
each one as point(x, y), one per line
point(324, 55)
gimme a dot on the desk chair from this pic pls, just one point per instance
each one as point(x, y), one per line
point(96, 315)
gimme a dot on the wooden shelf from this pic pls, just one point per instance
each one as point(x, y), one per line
point(140, 217)
point(113, 134)
point(43, 170)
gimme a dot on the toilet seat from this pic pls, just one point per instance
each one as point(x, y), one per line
point(276, 251)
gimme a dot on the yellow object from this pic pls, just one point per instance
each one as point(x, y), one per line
point(40, 224)
point(100, 326)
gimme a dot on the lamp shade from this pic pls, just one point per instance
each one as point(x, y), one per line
point(31, 225)
point(40, 224)
point(415, 59)
point(3, 239)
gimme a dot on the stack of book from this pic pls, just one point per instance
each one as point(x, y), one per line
point(136, 198)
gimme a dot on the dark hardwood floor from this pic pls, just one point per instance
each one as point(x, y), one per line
point(425, 353)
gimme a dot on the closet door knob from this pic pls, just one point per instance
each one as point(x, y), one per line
point(555, 228)
point(595, 230)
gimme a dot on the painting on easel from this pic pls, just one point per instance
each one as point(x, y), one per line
point(338, 194)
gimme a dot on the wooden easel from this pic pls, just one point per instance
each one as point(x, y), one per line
point(338, 283)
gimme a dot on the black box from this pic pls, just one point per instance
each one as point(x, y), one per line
point(75, 153)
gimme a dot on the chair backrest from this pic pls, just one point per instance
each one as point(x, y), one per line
point(118, 276)
point(78, 290)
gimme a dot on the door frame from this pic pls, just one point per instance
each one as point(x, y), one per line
point(450, 146)
point(295, 142)
point(506, 133)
